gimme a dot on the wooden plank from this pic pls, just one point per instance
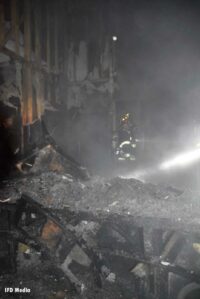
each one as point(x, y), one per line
point(15, 23)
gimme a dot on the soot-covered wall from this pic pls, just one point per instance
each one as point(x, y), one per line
point(88, 84)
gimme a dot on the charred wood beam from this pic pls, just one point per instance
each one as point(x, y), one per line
point(185, 273)
point(27, 74)
point(161, 270)
point(8, 246)
point(15, 23)
point(48, 54)
point(167, 256)
point(48, 40)
point(56, 62)
point(56, 49)
point(160, 283)
point(141, 240)
point(37, 24)
point(53, 239)
point(157, 242)
point(40, 81)
point(27, 30)
point(166, 268)
point(172, 247)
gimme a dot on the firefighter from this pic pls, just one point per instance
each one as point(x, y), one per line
point(127, 142)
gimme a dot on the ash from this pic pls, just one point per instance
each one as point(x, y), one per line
point(113, 208)
point(55, 183)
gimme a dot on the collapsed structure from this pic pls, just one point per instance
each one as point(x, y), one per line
point(98, 238)
point(63, 232)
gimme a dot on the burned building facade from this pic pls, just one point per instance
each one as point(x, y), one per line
point(52, 62)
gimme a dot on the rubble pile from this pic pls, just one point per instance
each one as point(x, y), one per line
point(101, 213)
point(57, 188)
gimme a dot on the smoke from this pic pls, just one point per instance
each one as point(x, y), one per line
point(159, 60)
point(158, 63)
point(85, 134)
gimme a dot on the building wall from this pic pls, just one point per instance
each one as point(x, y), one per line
point(60, 54)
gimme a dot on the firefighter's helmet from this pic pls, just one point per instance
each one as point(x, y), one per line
point(125, 117)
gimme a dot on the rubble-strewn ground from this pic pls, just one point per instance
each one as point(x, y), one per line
point(115, 196)
point(56, 187)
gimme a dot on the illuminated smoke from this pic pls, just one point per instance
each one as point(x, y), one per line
point(182, 160)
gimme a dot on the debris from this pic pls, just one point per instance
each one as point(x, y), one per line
point(51, 233)
point(105, 271)
point(140, 270)
point(78, 255)
point(5, 200)
point(49, 159)
point(93, 228)
point(23, 247)
point(111, 277)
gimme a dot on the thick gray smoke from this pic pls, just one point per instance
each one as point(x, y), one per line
point(158, 70)
point(161, 66)
point(159, 61)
